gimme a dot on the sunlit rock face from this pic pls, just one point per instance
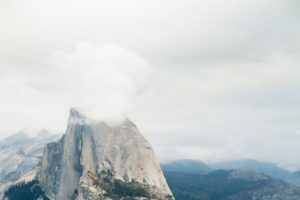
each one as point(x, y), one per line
point(99, 160)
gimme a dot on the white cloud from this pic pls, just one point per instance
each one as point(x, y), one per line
point(101, 81)
point(163, 31)
point(226, 73)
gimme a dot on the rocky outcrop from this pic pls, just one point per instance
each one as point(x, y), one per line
point(99, 160)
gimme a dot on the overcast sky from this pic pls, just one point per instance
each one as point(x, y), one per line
point(209, 80)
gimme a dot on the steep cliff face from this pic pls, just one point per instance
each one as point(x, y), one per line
point(97, 160)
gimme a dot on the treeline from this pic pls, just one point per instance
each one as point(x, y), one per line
point(25, 191)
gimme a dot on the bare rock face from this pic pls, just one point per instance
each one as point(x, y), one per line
point(97, 160)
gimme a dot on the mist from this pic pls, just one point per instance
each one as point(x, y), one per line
point(206, 80)
point(101, 81)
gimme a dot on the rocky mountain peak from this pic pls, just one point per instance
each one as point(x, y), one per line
point(96, 159)
point(74, 113)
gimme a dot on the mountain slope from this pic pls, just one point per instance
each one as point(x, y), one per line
point(19, 154)
point(229, 185)
point(97, 160)
point(294, 178)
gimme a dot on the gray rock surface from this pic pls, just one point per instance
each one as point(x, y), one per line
point(73, 168)
point(19, 154)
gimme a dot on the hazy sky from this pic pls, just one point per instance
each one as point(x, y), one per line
point(208, 80)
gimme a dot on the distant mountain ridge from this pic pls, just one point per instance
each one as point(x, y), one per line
point(19, 154)
point(199, 167)
point(253, 165)
point(229, 185)
point(186, 166)
point(232, 180)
